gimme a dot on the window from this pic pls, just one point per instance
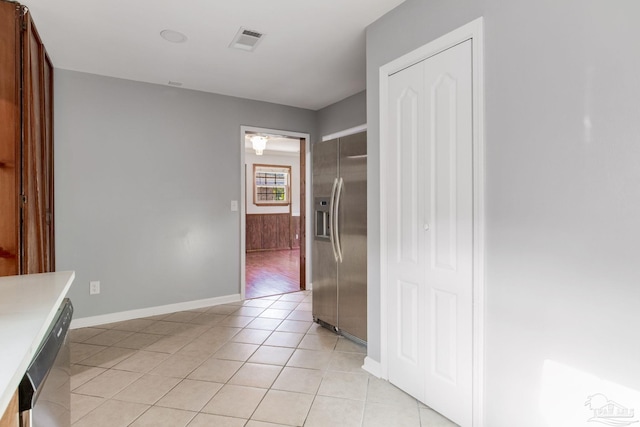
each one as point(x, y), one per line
point(271, 185)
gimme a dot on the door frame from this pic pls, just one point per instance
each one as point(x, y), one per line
point(472, 31)
point(304, 204)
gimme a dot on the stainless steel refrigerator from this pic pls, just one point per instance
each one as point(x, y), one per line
point(339, 255)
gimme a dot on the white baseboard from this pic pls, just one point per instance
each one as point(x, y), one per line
point(102, 319)
point(373, 367)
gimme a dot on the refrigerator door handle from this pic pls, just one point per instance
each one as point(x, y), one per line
point(336, 222)
point(332, 236)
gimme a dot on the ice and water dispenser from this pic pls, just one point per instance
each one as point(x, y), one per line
point(323, 217)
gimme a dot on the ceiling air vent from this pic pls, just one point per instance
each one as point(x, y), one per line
point(246, 39)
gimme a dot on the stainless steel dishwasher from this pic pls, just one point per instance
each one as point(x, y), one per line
point(45, 390)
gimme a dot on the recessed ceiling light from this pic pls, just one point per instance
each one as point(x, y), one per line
point(173, 36)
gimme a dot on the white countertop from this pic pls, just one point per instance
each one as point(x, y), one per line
point(28, 304)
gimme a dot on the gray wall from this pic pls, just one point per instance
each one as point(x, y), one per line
point(346, 114)
point(563, 193)
point(144, 179)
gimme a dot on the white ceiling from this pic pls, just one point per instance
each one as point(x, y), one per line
point(312, 55)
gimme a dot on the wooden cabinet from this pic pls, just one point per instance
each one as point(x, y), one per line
point(10, 416)
point(26, 146)
point(268, 232)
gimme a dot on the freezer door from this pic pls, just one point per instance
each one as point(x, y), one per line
point(324, 268)
point(325, 167)
point(352, 231)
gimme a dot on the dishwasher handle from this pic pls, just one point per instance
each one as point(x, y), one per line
point(45, 357)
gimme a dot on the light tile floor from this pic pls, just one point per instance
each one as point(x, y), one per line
point(256, 363)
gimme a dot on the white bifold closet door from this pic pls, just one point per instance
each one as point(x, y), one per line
point(430, 231)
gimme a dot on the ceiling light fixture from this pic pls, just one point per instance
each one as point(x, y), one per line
point(259, 143)
point(173, 36)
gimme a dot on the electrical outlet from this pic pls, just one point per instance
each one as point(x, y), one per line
point(94, 288)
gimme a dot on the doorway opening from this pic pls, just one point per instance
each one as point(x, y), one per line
point(273, 215)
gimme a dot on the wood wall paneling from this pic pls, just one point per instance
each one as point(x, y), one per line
point(295, 231)
point(253, 232)
point(268, 232)
point(284, 231)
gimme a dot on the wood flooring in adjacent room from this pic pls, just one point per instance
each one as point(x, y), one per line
point(272, 273)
